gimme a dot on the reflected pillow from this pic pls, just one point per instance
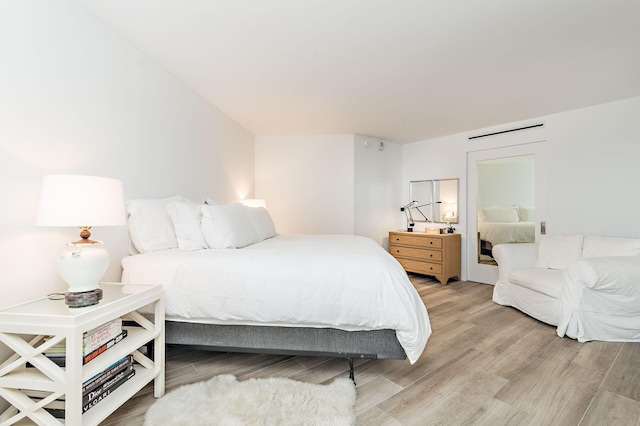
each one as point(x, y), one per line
point(526, 214)
point(227, 226)
point(150, 226)
point(498, 214)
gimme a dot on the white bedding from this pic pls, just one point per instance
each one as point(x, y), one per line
point(507, 232)
point(339, 281)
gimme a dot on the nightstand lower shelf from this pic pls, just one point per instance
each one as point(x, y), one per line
point(28, 372)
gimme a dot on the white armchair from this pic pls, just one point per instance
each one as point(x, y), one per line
point(600, 300)
point(514, 256)
point(587, 286)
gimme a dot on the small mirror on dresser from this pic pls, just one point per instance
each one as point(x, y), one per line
point(436, 200)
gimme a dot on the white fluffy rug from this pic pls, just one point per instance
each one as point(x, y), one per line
point(223, 400)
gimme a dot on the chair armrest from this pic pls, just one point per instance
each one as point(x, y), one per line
point(619, 274)
point(514, 256)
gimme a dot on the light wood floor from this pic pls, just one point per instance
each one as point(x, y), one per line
point(484, 364)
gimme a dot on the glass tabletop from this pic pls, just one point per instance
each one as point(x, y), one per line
point(50, 305)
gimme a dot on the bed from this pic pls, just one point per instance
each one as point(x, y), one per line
point(504, 225)
point(337, 295)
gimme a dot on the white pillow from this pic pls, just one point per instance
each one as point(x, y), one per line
point(262, 222)
point(186, 216)
point(498, 214)
point(227, 226)
point(211, 201)
point(559, 252)
point(596, 246)
point(526, 214)
point(150, 226)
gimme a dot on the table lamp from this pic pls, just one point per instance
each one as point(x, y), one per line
point(82, 201)
point(254, 202)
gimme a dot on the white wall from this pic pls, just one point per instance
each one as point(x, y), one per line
point(378, 188)
point(330, 184)
point(77, 98)
point(307, 182)
point(506, 183)
point(592, 156)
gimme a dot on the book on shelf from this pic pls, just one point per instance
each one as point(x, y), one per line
point(96, 337)
point(126, 374)
point(107, 373)
point(57, 407)
point(101, 381)
point(91, 339)
point(101, 395)
point(88, 357)
point(58, 413)
point(60, 359)
point(114, 322)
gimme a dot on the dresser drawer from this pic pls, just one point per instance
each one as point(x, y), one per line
point(421, 267)
point(427, 254)
point(416, 253)
point(416, 241)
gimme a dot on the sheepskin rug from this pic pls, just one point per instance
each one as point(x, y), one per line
point(223, 400)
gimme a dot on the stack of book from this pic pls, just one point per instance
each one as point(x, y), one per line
point(95, 389)
point(101, 385)
point(94, 342)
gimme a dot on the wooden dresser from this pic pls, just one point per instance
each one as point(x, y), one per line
point(427, 254)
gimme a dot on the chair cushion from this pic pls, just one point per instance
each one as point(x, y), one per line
point(558, 252)
point(545, 281)
point(596, 246)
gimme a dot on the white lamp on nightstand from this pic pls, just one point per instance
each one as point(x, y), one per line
point(84, 201)
point(254, 202)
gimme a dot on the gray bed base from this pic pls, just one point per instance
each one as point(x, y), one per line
point(307, 341)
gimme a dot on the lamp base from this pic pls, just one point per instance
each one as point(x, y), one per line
point(83, 298)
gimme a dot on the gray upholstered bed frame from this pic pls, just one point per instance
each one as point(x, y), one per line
point(375, 344)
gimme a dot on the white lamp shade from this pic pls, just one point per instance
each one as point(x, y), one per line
point(254, 202)
point(73, 200)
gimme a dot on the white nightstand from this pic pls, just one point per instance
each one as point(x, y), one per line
point(23, 327)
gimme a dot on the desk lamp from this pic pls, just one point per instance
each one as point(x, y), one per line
point(407, 213)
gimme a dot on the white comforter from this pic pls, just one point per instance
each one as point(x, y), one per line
point(507, 232)
point(340, 281)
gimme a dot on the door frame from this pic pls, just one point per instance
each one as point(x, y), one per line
point(483, 273)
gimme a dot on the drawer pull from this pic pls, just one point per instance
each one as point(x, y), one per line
point(397, 251)
point(430, 255)
point(430, 242)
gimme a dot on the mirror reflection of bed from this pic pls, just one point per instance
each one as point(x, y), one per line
point(506, 203)
point(503, 225)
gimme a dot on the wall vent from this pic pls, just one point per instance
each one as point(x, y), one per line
point(506, 131)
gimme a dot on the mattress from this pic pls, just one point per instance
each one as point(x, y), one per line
point(336, 281)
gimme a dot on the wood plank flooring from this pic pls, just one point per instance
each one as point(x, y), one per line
point(484, 364)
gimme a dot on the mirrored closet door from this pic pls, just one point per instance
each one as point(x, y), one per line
point(505, 203)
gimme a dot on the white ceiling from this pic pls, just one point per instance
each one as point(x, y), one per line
point(401, 70)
